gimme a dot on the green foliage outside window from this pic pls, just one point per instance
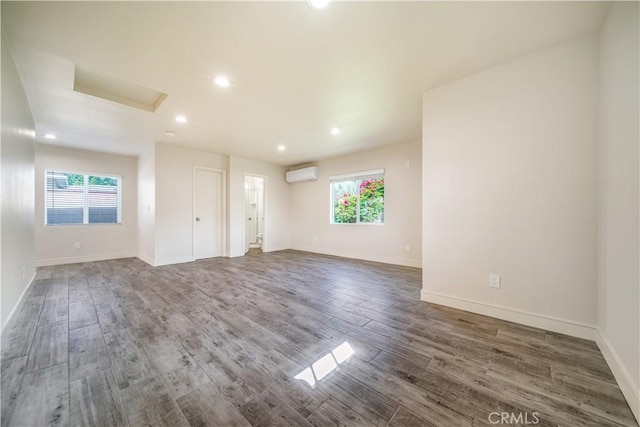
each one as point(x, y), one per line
point(102, 180)
point(359, 201)
point(77, 179)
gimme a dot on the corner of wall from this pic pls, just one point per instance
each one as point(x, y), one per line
point(18, 305)
point(624, 379)
point(146, 259)
point(17, 186)
point(618, 299)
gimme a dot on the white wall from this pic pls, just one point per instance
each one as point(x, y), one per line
point(55, 243)
point(312, 231)
point(618, 203)
point(174, 168)
point(276, 205)
point(17, 159)
point(509, 187)
point(146, 204)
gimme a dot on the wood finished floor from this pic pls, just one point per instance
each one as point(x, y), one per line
point(218, 342)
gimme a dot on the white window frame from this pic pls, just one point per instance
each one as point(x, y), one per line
point(351, 177)
point(85, 210)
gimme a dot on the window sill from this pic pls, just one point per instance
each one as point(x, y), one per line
point(82, 225)
point(357, 223)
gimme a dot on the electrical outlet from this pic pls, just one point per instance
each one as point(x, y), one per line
point(76, 245)
point(407, 248)
point(315, 238)
point(494, 280)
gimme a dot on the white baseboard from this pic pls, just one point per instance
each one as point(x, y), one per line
point(275, 248)
point(361, 256)
point(536, 320)
point(87, 258)
point(169, 261)
point(146, 259)
point(625, 380)
point(18, 303)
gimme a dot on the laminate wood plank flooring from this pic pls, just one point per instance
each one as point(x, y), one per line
point(96, 401)
point(50, 346)
point(12, 374)
point(207, 407)
point(54, 311)
point(259, 340)
point(43, 398)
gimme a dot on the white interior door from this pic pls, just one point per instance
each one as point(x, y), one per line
point(208, 215)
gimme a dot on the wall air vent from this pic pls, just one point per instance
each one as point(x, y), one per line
point(305, 174)
point(124, 93)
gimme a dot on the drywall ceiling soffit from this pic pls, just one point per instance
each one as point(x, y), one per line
point(104, 87)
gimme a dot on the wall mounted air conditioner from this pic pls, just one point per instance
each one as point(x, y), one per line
point(305, 174)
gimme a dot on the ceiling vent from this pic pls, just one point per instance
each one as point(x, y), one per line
point(124, 93)
point(305, 174)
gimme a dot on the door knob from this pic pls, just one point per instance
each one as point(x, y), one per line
point(197, 218)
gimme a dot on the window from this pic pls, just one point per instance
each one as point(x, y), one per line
point(358, 198)
point(72, 198)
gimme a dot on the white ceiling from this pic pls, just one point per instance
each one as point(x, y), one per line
point(295, 72)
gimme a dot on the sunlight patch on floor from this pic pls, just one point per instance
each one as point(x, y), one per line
point(326, 364)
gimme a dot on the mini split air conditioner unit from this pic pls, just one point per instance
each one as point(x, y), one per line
point(305, 174)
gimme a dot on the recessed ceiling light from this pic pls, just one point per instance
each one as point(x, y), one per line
point(221, 81)
point(49, 136)
point(319, 4)
point(281, 148)
point(181, 119)
point(334, 131)
point(170, 133)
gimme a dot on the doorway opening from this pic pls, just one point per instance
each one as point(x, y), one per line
point(254, 212)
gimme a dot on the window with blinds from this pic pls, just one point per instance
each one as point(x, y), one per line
point(72, 198)
point(358, 198)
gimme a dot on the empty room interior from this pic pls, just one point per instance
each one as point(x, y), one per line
point(320, 213)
